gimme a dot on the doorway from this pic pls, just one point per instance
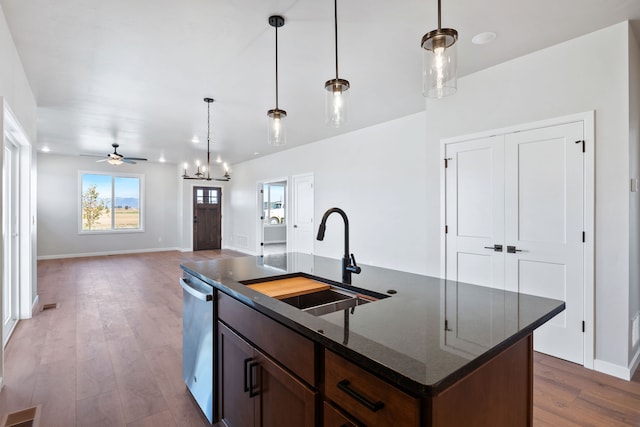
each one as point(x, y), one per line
point(273, 216)
point(207, 218)
point(11, 244)
point(516, 213)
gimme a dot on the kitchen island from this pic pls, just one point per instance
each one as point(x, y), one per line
point(430, 352)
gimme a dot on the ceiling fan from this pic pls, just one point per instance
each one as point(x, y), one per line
point(116, 158)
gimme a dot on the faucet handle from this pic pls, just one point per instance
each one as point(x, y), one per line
point(354, 265)
point(353, 260)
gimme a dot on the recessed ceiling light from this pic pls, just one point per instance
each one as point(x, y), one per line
point(45, 149)
point(195, 139)
point(218, 159)
point(255, 153)
point(162, 159)
point(484, 38)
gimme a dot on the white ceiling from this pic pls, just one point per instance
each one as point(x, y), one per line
point(136, 72)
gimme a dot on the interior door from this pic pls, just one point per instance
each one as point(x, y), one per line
point(303, 206)
point(207, 218)
point(10, 227)
point(544, 200)
point(525, 192)
point(475, 211)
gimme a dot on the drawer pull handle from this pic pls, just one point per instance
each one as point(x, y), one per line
point(253, 390)
point(246, 369)
point(373, 406)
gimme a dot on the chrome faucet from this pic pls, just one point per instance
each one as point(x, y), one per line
point(348, 263)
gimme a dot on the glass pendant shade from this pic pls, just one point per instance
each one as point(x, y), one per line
point(337, 102)
point(277, 129)
point(439, 72)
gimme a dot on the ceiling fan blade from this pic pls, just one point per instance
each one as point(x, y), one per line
point(142, 159)
point(128, 160)
point(103, 160)
point(90, 155)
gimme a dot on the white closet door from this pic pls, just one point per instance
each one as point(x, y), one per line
point(475, 211)
point(524, 191)
point(544, 202)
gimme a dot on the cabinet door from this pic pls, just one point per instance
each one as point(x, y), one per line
point(283, 400)
point(236, 361)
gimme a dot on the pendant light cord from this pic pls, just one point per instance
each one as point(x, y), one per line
point(335, 20)
point(208, 133)
point(276, 68)
point(439, 19)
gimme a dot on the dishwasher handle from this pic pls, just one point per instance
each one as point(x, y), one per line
point(194, 292)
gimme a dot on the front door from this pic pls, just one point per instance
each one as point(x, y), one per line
point(514, 213)
point(207, 218)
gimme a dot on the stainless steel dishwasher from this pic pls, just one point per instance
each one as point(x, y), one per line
point(198, 339)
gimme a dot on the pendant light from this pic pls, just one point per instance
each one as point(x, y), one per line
point(200, 173)
point(440, 61)
point(277, 130)
point(336, 106)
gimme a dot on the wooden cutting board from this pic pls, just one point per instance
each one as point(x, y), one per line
point(291, 287)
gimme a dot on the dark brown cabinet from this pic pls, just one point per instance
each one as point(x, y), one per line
point(366, 397)
point(333, 418)
point(256, 391)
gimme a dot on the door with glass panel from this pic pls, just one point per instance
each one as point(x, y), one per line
point(207, 218)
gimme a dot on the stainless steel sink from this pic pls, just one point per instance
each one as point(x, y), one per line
point(328, 301)
point(338, 296)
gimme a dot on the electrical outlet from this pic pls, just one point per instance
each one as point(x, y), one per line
point(635, 330)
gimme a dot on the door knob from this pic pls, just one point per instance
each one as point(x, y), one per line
point(295, 225)
point(497, 248)
point(513, 250)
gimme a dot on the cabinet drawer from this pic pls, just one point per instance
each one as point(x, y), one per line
point(333, 418)
point(368, 398)
point(284, 345)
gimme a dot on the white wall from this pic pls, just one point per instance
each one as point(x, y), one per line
point(377, 175)
point(387, 177)
point(14, 86)
point(58, 204)
point(634, 198)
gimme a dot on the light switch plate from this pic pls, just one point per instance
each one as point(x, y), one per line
point(634, 185)
point(635, 334)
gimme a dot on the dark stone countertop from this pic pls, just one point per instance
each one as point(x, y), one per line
point(423, 338)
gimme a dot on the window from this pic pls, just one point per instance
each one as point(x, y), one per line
point(273, 205)
point(110, 202)
point(207, 196)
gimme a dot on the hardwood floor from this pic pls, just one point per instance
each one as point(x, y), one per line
point(110, 354)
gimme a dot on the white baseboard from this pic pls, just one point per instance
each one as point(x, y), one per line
point(618, 371)
point(36, 301)
point(91, 254)
point(634, 364)
point(242, 250)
